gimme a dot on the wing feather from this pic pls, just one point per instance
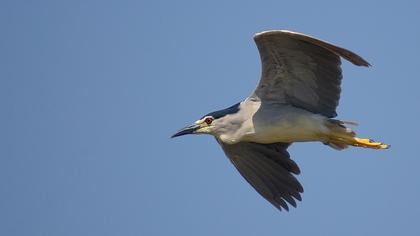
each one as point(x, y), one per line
point(301, 70)
point(269, 169)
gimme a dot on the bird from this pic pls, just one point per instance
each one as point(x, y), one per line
point(295, 101)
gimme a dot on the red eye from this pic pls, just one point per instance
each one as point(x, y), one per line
point(208, 120)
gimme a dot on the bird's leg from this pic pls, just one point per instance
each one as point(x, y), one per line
point(340, 136)
point(368, 143)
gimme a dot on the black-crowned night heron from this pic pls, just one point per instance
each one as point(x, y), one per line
point(294, 101)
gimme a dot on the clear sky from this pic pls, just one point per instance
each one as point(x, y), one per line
point(90, 92)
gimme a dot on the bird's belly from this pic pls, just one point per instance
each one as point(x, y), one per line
point(300, 129)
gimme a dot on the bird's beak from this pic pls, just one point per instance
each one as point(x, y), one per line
point(186, 130)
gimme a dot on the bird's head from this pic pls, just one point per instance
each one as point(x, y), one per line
point(201, 126)
point(213, 123)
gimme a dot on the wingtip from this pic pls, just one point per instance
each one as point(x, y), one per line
point(342, 52)
point(363, 62)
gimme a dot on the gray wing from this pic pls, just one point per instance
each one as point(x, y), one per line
point(268, 168)
point(302, 71)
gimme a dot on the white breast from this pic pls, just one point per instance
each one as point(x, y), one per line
point(288, 124)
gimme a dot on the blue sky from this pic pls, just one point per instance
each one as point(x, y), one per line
point(90, 92)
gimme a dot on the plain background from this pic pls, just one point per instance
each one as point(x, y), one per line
point(90, 92)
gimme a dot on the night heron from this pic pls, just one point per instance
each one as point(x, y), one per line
point(295, 101)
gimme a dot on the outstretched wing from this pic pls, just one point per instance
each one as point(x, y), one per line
point(268, 168)
point(302, 71)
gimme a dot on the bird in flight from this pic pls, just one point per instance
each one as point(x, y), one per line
point(294, 101)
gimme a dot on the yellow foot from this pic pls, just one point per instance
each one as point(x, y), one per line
point(368, 143)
